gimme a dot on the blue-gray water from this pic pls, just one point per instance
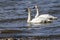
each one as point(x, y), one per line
point(13, 16)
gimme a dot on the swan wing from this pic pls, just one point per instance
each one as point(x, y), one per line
point(47, 16)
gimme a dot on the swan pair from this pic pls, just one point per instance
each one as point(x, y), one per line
point(40, 18)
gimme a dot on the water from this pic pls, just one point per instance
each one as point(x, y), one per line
point(13, 16)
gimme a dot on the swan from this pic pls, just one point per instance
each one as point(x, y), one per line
point(50, 17)
point(36, 19)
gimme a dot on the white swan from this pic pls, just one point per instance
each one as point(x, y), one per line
point(50, 17)
point(36, 19)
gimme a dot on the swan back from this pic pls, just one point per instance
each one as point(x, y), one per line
point(48, 16)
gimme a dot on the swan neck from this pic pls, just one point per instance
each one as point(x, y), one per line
point(37, 12)
point(29, 15)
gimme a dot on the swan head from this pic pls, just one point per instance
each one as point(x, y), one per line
point(36, 6)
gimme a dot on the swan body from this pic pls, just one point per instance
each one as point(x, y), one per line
point(40, 20)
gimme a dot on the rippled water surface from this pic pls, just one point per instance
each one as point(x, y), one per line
point(13, 16)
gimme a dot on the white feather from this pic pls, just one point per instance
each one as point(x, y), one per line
point(39, 19)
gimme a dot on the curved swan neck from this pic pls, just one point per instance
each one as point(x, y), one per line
point(29, 18)
point(37, 12)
